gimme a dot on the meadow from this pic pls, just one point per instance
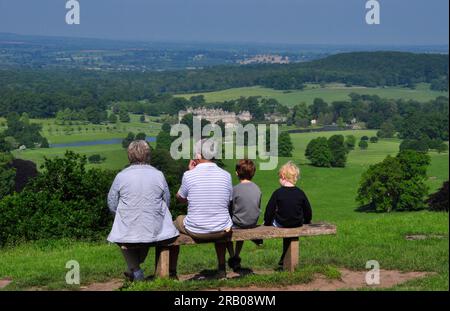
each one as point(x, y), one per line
point(329, 93)
point(361, 236)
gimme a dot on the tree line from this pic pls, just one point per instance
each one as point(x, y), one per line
point(44, 92)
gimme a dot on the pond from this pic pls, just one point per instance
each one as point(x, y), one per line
point(96, 142)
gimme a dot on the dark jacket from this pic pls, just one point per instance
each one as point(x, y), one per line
point(289, 206)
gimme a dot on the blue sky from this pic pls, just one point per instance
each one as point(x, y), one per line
point(403, 22)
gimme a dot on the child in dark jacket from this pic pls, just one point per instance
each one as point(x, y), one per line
point(288, 206)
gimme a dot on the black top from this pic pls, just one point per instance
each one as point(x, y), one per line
point(289, 206)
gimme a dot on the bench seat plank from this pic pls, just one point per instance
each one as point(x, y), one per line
point(267, 232)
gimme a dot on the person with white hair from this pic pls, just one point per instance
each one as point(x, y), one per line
point(207, 189)
point(139, 198)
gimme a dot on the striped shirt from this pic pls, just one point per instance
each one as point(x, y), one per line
point(209, 190)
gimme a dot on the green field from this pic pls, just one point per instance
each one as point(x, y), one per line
point(361, 236)
point(331, 92)
point(79, 131)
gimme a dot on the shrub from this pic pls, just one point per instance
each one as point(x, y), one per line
point(25, 171)
point(414, 144)
point(96, 158)
point(387, 130)
point(140, 136)
point(173, 172)
point(438, 201)
point(366, 138)
point(285, 146)
point(397, 183)
point(318, 152)
point(373, 139)
point(7, 174)
point(64, 200)
point(350, 142)
point(338, 151)
point(363, 145)
point(127, 140)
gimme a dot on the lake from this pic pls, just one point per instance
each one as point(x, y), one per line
point(96, 142)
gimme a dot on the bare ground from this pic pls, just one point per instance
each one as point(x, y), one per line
point(349, 280)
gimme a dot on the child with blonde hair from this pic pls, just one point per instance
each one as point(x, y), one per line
point(288, 206)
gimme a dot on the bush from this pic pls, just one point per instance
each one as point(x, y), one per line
point(25, 171)
point(414, 144)
point(387, 130)
point(285, 146)
point(397, 183)
point(350, 142)
point(363, 145)
point(338, 151)
point(438, 201)
point(318, 152)
point(365, 138)
point(64, 200)
point(373, 139)
point(173, 172)
point(96, 158)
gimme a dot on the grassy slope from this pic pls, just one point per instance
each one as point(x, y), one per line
point(331, 92)
point(361, 236)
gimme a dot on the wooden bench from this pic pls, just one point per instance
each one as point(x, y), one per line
point(261, 232)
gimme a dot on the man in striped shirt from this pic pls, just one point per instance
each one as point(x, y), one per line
point(207, 189)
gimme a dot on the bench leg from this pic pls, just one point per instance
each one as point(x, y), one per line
point(290, 261)
point(162, 262)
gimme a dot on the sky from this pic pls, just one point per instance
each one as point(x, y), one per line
point(403, 22)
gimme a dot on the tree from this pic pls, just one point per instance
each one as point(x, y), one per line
point(142, 119)
point(124, 116)
point(350, 142)
point(96, 158)
point(387, 130)
point(112, 118)
point(438, 201)
point(338, 151)
point(164, 140)
point(127, 140)
point(65, 200)
point(397, 183)
point(363, 145)
point(318, 152)
point(140, 136)
point(414, 144)
point(373, 139)
point(366, 138)
point(285, 146)
point(7, 174)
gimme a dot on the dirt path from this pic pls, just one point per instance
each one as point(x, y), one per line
point(5, 282)
point(349, 280)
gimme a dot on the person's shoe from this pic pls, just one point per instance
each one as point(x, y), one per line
point(173, 276)
point(234, 263)
point(221, 274)
point(129, 275)
point(138, 275)
point(237, 264)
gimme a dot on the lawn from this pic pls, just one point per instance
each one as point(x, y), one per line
point(361, 236)
point(331, 92)
point(78, 131)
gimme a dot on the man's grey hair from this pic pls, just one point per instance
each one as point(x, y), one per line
point(206, 148)
point(139, 152)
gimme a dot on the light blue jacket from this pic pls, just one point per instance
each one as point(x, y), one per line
point(140, 198)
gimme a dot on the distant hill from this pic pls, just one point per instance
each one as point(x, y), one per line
point(42, 92)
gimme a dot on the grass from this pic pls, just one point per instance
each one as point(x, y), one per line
point(78, 132)
point(329, 93)
point(361, 236)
